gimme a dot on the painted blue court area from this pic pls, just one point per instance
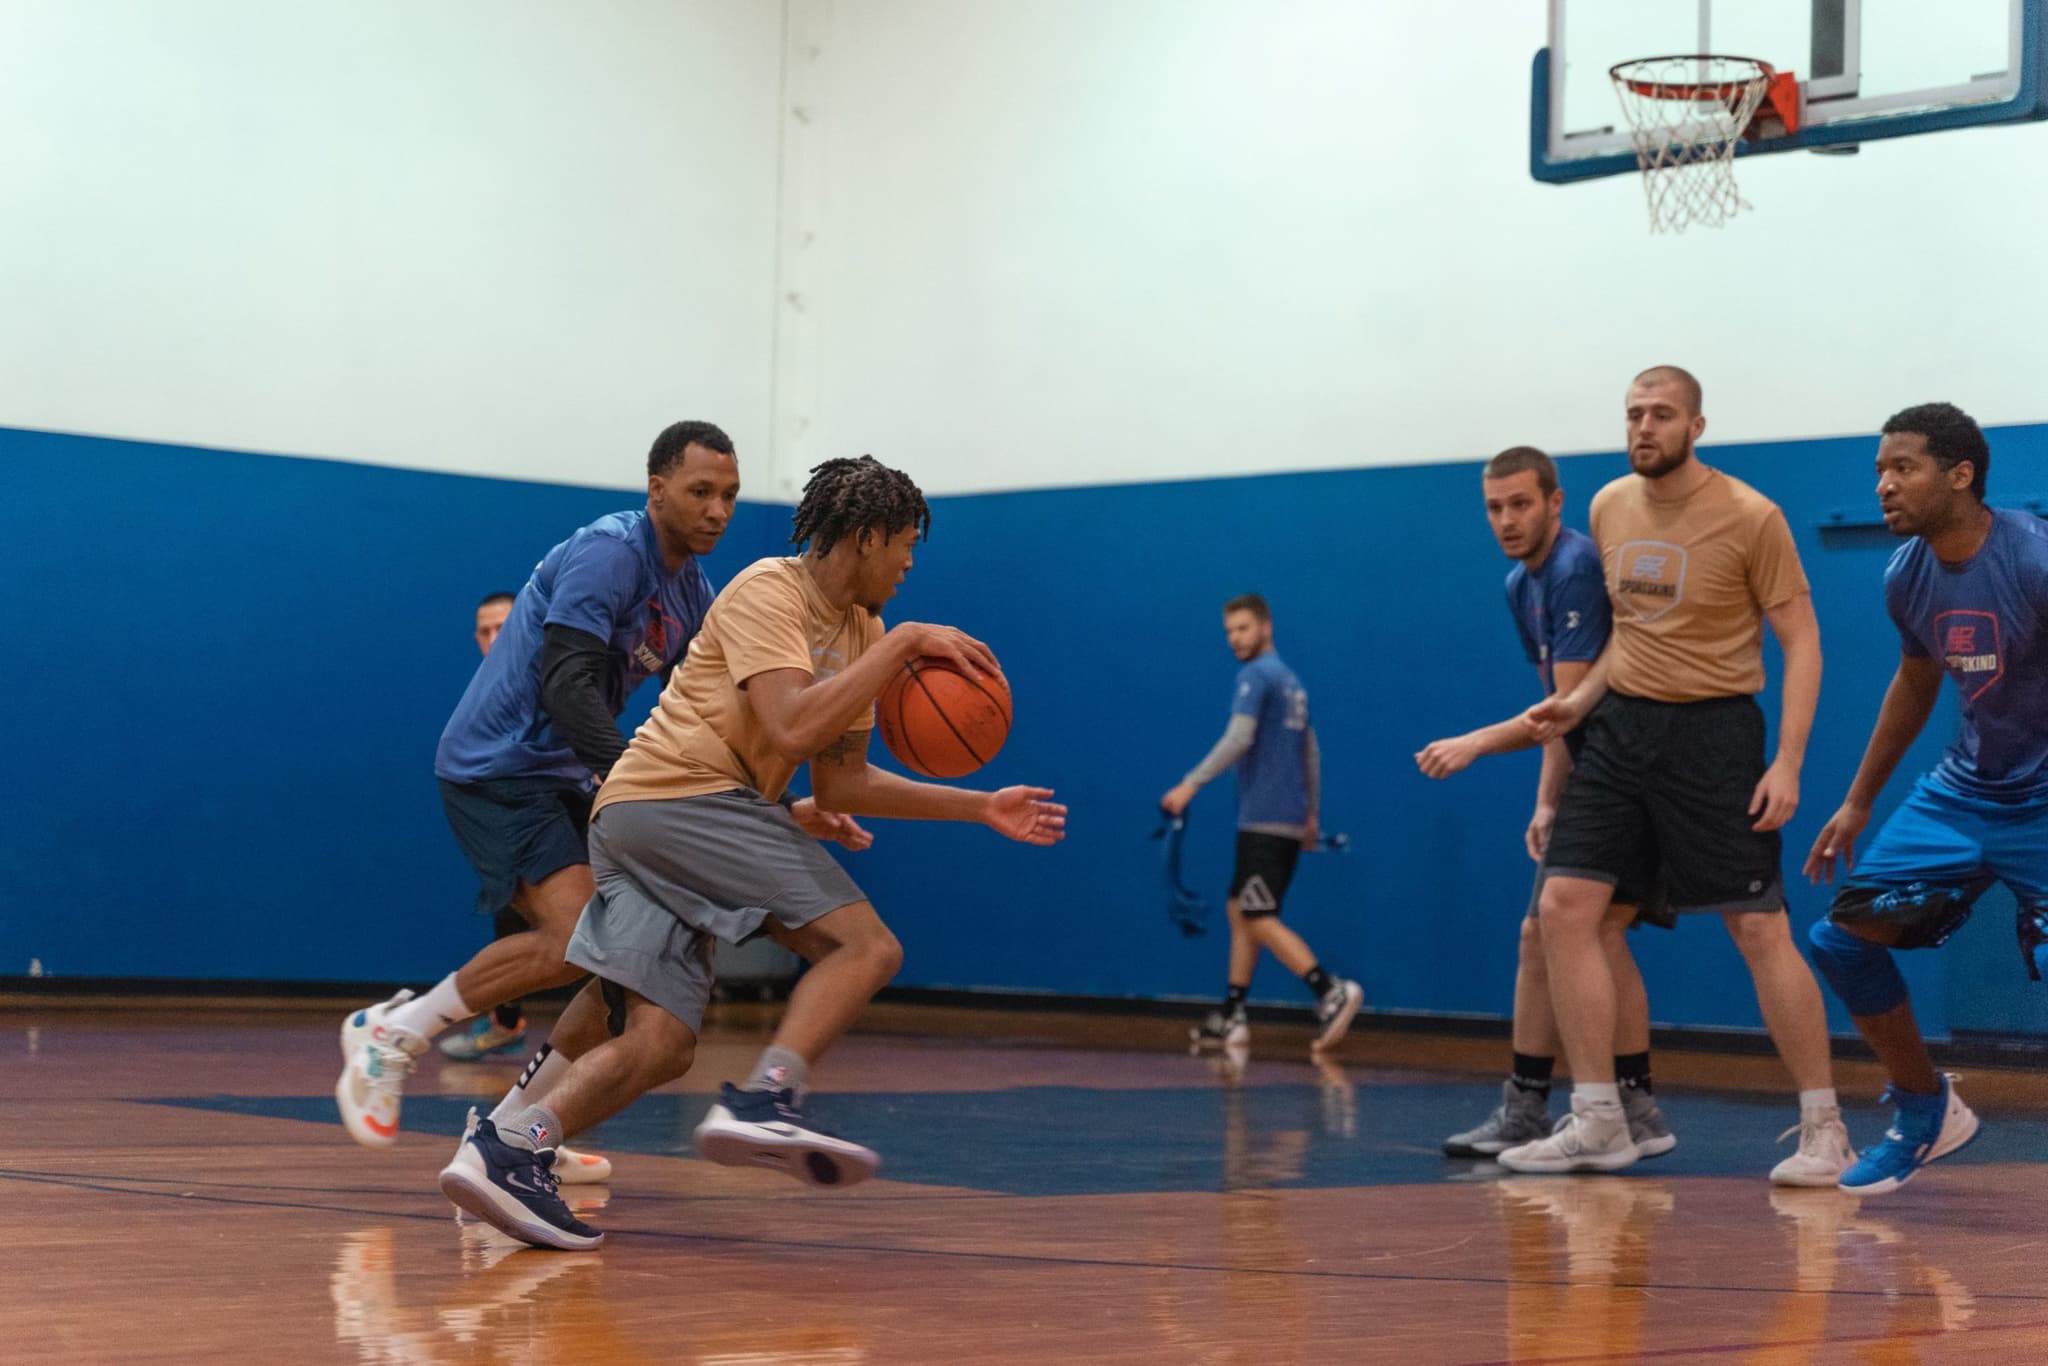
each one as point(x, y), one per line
point(1065, 1140)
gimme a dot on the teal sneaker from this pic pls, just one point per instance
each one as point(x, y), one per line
point(486, 1038)
point(1926, 1128)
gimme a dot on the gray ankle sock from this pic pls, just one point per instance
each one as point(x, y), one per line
point(779, 1070)
point(533, 1129)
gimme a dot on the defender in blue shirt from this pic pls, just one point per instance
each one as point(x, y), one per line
point(1272, 748)
point(1557, 595)
point(533, 735)
point(1969, 595)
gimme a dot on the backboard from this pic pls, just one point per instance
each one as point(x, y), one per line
point(1868, 69)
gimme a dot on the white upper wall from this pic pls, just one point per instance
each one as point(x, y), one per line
point(504, 237)
point(1069, 242)
point(1010, 245)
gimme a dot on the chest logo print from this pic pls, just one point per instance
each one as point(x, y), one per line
point(1969, 648)
point(1649, 578)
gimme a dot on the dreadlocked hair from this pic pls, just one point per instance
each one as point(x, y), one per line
point(847, 497)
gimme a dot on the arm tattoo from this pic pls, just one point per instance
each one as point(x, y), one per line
point(848, 747)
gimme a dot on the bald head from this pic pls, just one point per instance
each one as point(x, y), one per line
point(1672, 374)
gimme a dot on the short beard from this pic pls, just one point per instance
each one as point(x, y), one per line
point(1665, 464)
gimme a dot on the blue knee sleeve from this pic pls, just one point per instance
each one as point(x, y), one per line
point(1862, 973)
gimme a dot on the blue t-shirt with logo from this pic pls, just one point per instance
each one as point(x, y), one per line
point(1272, 776)
point(1986, 620)
point(1561, 609)
point(607, 580)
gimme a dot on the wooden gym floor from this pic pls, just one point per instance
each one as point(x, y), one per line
point(1058, 1189)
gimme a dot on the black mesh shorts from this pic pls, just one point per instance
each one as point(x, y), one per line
point(1265, 865)
point(1664, 788)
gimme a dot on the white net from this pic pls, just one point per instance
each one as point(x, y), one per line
point(1686, 114)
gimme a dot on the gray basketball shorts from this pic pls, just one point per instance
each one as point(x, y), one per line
point(675, 875)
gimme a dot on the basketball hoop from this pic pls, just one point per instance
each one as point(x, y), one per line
point(1686, 114)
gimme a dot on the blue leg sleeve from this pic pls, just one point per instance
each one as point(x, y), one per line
point(1862, 973)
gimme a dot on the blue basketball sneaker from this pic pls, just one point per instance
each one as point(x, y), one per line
point(1926, 1128)
point(769, 1129)
point(514, 1191)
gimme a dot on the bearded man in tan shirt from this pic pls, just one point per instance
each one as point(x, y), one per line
point(1672, 774)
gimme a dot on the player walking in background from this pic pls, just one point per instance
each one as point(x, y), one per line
point(1672, 776)
point(1272, 747)
point(1558, 599)
point(503, 1031)
point(1969, 595)
point(689, 844)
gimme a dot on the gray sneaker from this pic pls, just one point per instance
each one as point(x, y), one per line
point(1521, 1117)
point(1653, 1137)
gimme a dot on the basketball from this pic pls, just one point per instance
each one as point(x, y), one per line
point(940, 722)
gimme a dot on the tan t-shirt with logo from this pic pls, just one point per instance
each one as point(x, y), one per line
point(1690, 581)
point(702, 736)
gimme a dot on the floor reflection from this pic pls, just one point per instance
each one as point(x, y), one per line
point(523, 1307)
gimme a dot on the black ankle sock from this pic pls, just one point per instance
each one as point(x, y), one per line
point(1233, 999)
point(1318, 981)
point(507, 1015)
point(1532, 1073)
point(1632, 1070)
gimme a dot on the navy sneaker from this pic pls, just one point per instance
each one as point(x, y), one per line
point(769, 1129)
point(1934, 1128)
point(514, 1191)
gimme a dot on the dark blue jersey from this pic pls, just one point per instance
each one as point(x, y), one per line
point(1272, 776)
point(608, 580)
point(1561, 609)
point(1986, 620)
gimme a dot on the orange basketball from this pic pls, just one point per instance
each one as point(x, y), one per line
point(940, 722)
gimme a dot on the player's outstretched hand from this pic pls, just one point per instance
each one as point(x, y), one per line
point(1776, 797)
point(947, 642)
point(1552, 717)
point(1442, 758)
point(829, 825)
point(1024, 814)
point(1177, 798)
point(1837, 839)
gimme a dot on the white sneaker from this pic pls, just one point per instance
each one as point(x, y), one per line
point(371, 1090)
point(1336, 1011)
point(1592, 1138)
point(368, 1025)
point(573, 1168)
point(1824, 1151)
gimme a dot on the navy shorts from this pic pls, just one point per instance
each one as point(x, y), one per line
point(516, 830)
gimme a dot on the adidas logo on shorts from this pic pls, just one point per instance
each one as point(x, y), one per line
point(1255, 895)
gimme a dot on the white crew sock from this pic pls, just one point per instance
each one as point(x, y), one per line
point(433, 1013)
point(1596, 1093)
point(540, 1076)
point(1822, 1099)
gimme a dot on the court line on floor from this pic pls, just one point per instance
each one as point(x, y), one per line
point(911, 1193)
point(1035, 1259)
point(1772, 1345)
